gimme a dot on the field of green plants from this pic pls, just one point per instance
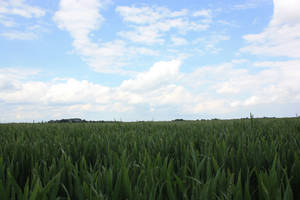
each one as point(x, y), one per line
point(215, 159)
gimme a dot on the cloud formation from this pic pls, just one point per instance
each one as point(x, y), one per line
point(169, 59)
point(282, 36)
point(80, 18)
point(144, 26)
point(11, 9)
point(150, 24)
point(19, 35)
point(218, 89)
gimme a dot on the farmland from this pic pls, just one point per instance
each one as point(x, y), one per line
point(206, 159)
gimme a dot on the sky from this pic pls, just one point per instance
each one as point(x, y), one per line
point(148, 60)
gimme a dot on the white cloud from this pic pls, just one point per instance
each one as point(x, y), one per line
point(226, 88)
point(154, 87)
point(277, 83)
point(150, 24)
point(212, 77)
point(28, 92)
point(74, 91)
point(219, 90)
point(212, 39)
point(146, 35)
point(286, 12)
point(210, 42)
point(18, 35)
point(57, 92)
point(244, 6)
point(213, 106)
point(239, 61)
point(7, 21)
point(147, 15)
point(159, 74)
point(80, 18)
point(282, 36)
point(19, 7)
point(10, 78)
point(203, 13)
point(11, 8)
point(144, 51)
point(106, 57)
point(178, 41)
point(249, 4)
point(17, 73)
point(235, 87)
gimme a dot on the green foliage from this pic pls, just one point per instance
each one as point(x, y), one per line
point(233, 159)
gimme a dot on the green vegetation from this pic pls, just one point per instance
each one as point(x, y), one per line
point(233, 159)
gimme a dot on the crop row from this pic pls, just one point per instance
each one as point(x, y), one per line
point(232, 159)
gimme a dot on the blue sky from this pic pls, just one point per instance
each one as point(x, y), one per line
point(148, 60)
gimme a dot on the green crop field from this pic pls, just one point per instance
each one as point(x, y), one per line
point(215, 159)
